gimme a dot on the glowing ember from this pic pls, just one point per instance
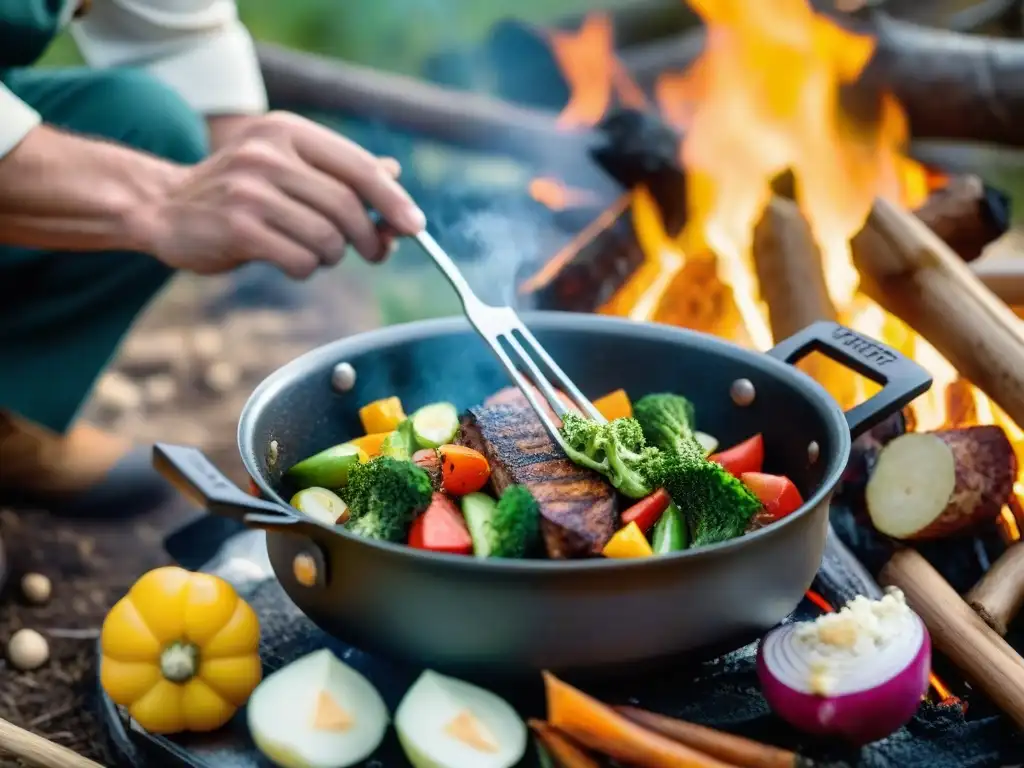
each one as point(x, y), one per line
point(557, 196)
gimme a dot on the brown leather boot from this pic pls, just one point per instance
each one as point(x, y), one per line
point(86, 471)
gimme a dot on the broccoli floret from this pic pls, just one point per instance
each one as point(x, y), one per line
point(667, 421)
point(617, 450)
point(384, 496)
point(516, 524)
point(716, 505)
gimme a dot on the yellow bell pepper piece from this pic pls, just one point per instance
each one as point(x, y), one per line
point(180, 651)
point(369, 444)
point(615, 405)
point(382, 415)
point(628, 542)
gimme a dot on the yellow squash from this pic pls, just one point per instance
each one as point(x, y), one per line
point(382, 415)
point(180, 651)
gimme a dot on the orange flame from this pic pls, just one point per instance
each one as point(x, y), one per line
point(764, 98)
point(592, 71)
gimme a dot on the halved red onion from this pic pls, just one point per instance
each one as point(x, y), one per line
point(870, 696)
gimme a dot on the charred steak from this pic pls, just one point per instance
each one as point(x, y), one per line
point(577, 506)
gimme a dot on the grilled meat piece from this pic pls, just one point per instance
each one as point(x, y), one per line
point(577, 506)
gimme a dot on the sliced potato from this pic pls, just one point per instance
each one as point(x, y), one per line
point(930, 485)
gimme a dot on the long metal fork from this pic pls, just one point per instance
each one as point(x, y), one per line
point(501, 326)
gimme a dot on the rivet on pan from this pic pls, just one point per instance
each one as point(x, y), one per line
point(742, 392)
point(308, 569)
point(343, 377)
point(813, 451)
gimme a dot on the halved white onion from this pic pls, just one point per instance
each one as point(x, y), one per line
point(317, 712)
point(447, 723)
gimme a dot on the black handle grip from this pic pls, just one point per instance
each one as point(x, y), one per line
point(901, 378)
point(195, 476)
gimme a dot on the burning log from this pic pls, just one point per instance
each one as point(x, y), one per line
point(789, 270)
point(987, 660)
point(978, 77)
point(303, 81)
point(999, 595)
point(911, 273)
point(931, 485)
point(1004, 277)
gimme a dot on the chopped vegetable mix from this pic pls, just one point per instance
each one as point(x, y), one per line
point(423, 480)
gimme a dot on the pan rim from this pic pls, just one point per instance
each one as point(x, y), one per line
point(329, 354)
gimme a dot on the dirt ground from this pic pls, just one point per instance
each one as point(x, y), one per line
point(182, 376)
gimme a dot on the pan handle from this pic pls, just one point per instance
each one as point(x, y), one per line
point(901, 378)
point(195, 476)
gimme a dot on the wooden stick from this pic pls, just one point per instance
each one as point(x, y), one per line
point(789, 270)
point(38, 751)
point(724, 746)
point(297, 80)
point(999, 594)
point(958, 632)
point(1004, 277)
point(563, 749)
point(910, 272)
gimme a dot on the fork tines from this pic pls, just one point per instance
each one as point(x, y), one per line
point(514, 336)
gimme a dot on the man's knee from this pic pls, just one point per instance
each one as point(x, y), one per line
point(148, 115)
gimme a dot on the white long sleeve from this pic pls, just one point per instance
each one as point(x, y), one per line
point(16, 119)
point(198, 47)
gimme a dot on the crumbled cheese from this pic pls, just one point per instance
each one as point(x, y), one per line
point(862, 628)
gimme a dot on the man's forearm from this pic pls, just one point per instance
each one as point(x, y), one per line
point(64, 192)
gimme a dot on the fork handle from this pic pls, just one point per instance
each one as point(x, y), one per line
point(447, 266)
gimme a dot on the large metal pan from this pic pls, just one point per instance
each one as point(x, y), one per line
point(490, 617)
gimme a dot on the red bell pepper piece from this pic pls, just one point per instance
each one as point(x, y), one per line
point(747, 456)
point(777, 493)
point(646, 512)
point(441, 528)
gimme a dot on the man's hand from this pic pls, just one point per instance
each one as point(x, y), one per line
point(281, 189)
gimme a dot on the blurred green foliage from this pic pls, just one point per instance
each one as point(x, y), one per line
point(397, 35)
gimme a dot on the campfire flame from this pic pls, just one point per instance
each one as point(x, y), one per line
point(764, 98)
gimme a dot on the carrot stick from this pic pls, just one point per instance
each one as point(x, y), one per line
point(736, 749)
point(600, 728)
point(565, 752)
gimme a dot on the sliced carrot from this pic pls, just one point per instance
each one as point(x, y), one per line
point(565, 752)
point(370, 443)
point(382, 415)
point(599, 727)
point(747, 456)
point(615, 405)
point(463, 470)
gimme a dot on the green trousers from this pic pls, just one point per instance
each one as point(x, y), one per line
point(62, 315)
